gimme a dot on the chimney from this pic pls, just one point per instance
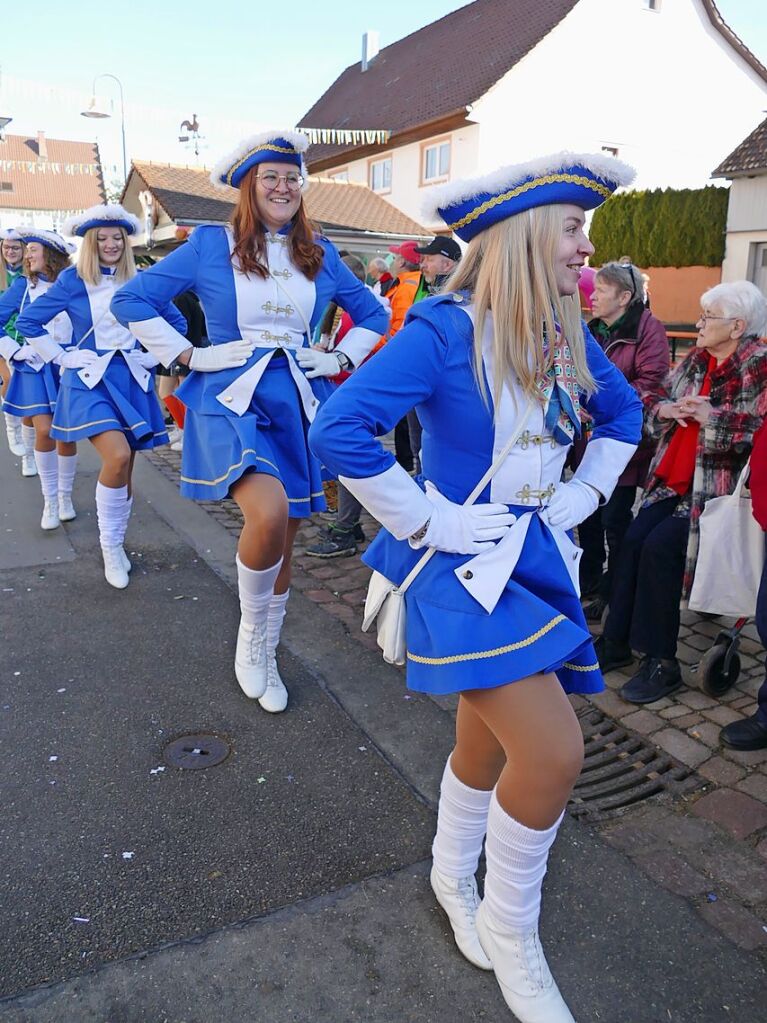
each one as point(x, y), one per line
point(42, 146)
point(369, 48)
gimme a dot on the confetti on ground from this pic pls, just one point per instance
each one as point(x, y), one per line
point(261, 780)
point(61, 690)
point(52, 759)
point(81, 919)
point(362, 749)
point(16, 673)
point(128, 855)
point(179, 597)
point(711, 897)
point(156, 770)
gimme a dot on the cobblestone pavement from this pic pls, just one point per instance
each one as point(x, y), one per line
point(706, 839)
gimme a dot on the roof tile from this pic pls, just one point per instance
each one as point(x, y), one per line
point(66, 178)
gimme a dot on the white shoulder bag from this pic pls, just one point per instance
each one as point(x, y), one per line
point(385, 602)
point(730, 555)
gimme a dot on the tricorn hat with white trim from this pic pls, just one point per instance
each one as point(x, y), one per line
point(10, 234)
point(276, 146)
point(50, 239)
point(107, 215)
point(583, 179)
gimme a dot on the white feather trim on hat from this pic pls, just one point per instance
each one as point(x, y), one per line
point(602, 166)
point(297, 139)
point(48, 237)
point(9, 234)
point(106, 212)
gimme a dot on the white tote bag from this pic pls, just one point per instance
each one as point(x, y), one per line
point(730, 556)
point(385, 602)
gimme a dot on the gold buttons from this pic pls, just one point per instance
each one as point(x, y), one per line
point(228, 399)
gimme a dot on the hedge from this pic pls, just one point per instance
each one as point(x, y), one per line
point(662, 227)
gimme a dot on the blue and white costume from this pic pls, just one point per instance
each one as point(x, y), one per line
point(13, 427)
point(253, 418)
point(507, 608)
point(482, 621)
point(251, 398)
point(114, 393)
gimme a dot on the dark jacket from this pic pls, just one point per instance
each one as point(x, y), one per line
point(638, 347)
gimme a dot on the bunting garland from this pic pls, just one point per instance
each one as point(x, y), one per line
point(347, 136)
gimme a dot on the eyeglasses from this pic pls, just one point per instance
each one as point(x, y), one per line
point(270, 180)
point(705, 317)
point(630, 268)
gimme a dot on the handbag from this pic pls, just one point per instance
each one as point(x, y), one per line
point(730, 555)
point(385, 601)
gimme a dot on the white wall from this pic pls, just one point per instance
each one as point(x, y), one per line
point(45, 220)
point(665, 88)
point(747, 207)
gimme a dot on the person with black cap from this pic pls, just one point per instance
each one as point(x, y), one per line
point(439, 259)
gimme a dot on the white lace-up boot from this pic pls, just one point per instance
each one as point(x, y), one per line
point(507, 919)
point(110, 511)
point(251, 659)
point(47, 463)
point(67, 470)
point(275, 698)
point(13, 432)
point(461, 826)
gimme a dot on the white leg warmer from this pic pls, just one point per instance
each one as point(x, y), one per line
point(256, 589)
point(277, 608)
point(67, 470)
point(516, 864)
point(461, 826)
point(28, 439)
point(47, 463)
point(110, 510)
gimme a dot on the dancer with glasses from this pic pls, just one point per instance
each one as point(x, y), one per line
point(264, 282)
point(497, 368)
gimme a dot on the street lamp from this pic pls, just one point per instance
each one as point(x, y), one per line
point(96, 111)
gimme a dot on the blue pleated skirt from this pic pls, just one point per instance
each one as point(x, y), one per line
point(454, 644)
point(30, 393)
point(270, 437)
point(117, 402)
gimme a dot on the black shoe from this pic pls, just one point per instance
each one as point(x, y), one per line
point(612, 655)
point(358, 533)
point(747, 734)
point(338, 543)
point(594, 610)
point(652, 682)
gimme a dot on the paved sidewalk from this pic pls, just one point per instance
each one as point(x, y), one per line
point(708, 844)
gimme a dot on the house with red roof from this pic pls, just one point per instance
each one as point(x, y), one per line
point(745, 255)
point(43, 181)
point(666, 85)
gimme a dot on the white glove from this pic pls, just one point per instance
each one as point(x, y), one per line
point(318, 364)
point(226, 356)
point(462, 529)
point(145, 359)
point(25, 354)
point(76, 358)
point(571, 504)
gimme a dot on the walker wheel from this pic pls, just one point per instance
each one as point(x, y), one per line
point(713, 678)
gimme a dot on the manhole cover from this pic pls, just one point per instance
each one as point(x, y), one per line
point(621, 768)
point(194, 752)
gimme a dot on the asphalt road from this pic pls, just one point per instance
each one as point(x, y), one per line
point(289, 883)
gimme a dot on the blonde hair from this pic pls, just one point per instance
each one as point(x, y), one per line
point(89, 265)
point(4, 266)
point(509, 270)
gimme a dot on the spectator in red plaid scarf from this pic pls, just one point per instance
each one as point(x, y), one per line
point(713, 404)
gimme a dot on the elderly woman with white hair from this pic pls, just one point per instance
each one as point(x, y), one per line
point(714, 402)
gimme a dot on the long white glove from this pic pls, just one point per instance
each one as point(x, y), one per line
point(145, 359)
point(227, 356)
point(462, 529)
point(25, 354)
point(318, 364)
point(76, 358)
point(571, 503)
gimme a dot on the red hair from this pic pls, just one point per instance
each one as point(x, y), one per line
point(250, 235)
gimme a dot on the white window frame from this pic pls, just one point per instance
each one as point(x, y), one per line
point(380, 162)
point(438, 146)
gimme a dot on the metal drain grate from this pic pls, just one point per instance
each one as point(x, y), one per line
point(196, 752)
point(621, 768)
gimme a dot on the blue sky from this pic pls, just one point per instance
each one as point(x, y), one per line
point(239, 69)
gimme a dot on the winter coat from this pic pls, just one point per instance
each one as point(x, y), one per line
point(639, 349)
point(739, 399)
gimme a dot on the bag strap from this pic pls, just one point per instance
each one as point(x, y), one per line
point(516, 434)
